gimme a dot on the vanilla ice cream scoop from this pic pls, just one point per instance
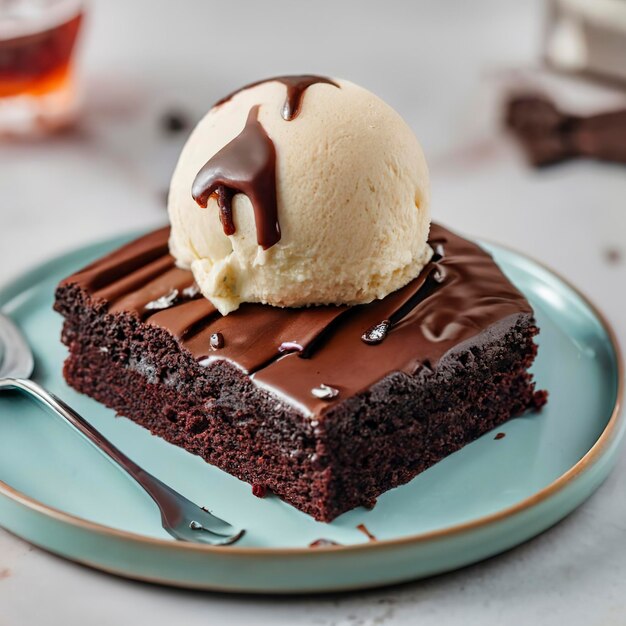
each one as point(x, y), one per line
point(298, 191)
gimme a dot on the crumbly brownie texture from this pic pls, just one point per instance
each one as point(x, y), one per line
point(139, 339)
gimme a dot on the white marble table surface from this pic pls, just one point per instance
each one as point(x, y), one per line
point(440, 65)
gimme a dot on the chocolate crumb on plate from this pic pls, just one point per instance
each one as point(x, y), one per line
point(366, 532)
point(323, 543)
point(613, 256)
point(260, 491)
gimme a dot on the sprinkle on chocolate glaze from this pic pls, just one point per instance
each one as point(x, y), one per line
point(439, 275)
point(375, 334)
point(296, 86)
point(164, 302)
point(245, 165)
point(191, 292)
point(290, 346)
point(217, 341)
point(325, 392)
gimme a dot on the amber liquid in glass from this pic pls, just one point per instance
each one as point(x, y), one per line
point(38, 63)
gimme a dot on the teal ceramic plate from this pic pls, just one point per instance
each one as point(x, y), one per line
point(60, 494)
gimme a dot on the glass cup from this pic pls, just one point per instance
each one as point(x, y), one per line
point(38, 91)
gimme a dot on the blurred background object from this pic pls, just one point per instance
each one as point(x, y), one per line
point(587, 36)
point(550, 135)
point(38, 92)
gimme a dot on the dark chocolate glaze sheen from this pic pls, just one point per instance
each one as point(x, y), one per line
point(428, 319)
point(245, 165)
point(296, 86)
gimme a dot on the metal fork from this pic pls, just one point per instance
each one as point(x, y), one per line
point(180, 517)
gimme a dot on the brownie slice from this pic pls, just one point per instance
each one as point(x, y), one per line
point(327, 406)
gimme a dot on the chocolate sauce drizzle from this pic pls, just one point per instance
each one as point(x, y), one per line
point(245, 165)
point(296, 86)
point(428, 319)
point(248, 165)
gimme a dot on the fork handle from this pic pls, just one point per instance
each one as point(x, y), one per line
point(165, 497)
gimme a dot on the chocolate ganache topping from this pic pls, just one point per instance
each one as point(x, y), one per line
point(248, 164)
point(427, 319)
